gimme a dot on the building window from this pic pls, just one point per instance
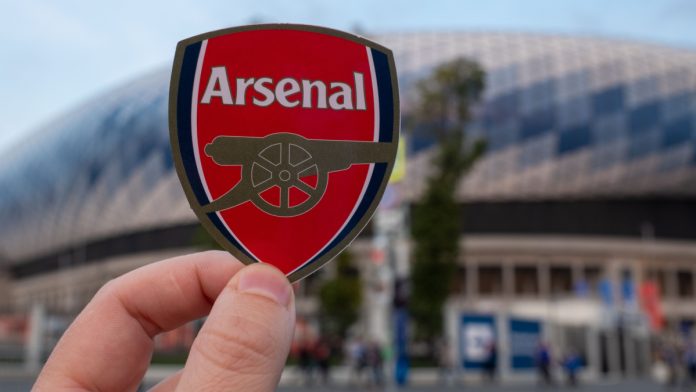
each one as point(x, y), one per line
point(490, 280)
point(593, 275)
point(526, 280)
point(460, 277)
point(685, 284)
point(561, 280)
point(660, 278)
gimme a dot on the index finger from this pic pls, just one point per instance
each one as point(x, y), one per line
point(109, 345)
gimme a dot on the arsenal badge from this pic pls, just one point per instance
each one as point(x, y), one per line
point(284, 137)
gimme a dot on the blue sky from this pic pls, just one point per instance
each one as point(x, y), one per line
point(58, 53)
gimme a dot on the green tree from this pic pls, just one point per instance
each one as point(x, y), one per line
point(203, 240)
point(340, 298)
point(443, 109)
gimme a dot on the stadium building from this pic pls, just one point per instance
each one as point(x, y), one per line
point(587, 192)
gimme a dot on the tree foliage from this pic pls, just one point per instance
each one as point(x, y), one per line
point(444, 109)
point(340, 298)
point(203, 240)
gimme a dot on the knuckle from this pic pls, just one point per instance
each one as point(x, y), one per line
point(242, 345)
point(108, 289)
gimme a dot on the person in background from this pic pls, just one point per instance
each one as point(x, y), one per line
point(322, 356)
point(376, 362)
point(543, 362)
point(445, 356)
point(572, 364)
point(690, 363)
point(671, 358)
point(356, 360)
point(491, 364)
point(305, 361)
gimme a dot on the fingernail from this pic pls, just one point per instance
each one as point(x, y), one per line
point(265, 282)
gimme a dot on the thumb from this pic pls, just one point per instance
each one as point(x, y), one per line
point(245, 341)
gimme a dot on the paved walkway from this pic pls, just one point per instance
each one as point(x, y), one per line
point(15, 379)
point(628, 386)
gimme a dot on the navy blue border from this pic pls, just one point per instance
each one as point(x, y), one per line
point(183, 120)
point(386, 95)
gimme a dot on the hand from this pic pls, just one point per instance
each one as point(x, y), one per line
point(242, 346)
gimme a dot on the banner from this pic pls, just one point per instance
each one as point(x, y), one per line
point(477, 338)
point(525, 336)
point(606, 293)
point(650, 301)
point(399, 171)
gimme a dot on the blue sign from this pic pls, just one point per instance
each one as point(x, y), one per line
point(525, 336)
point(401, 345)
point(477, 340)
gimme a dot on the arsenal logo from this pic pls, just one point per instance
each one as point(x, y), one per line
point(284, 137)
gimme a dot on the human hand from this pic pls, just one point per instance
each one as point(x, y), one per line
point(242, 346)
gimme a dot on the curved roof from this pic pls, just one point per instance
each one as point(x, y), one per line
point(102, 169)
point(568, 116)
point(564, 117)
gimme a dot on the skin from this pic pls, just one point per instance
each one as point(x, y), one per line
point(242, 346)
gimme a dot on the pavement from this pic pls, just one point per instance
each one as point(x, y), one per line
point(624, 386)
point(18, 379)
point(23, 385)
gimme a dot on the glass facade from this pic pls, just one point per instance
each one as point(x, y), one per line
point(563, 116)
point(568, 116)
point(102, 170)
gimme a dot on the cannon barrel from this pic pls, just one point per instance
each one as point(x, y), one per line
point(339, 155)
point(330, 155)
point(233, 150)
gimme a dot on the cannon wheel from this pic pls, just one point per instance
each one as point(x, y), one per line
point(282, 163)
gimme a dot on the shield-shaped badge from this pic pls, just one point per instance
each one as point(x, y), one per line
point(284, 137)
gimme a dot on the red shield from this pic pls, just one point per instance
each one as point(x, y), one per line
point(284, 137)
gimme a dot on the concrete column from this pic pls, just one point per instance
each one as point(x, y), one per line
point(630, 354)
point(34, 347)
point(639, 273)
point(613, 354)
point(471, 280)
point(613, 272)
point(379, 308)
point(671, 282)
point(504, 365)
point(693, 280)
point(544, 277)
point(594, 358)
point(452, 311)
point(508, 280)
point(645, 353)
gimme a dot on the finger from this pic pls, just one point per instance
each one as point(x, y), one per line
point(109, 345)
point(246, 339)
point(168, 384)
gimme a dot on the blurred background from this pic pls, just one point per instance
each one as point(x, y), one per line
point(540, 226)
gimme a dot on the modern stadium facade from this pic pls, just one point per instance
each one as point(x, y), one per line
point(587, 190)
